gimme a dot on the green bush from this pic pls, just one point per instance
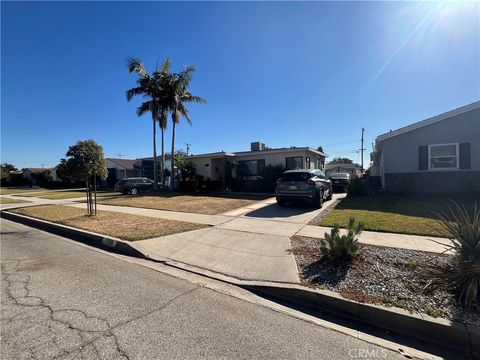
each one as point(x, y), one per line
point(359, 187)
point(464, 230)
point(341, 249)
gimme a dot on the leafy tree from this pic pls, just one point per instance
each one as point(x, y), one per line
point(85, 161)
point(5, 171)
point(153, 87)
point(340, 160)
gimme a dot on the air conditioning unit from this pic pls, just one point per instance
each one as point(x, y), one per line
point(257, 146)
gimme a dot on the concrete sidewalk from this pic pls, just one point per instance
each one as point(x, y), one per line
point(401, 241)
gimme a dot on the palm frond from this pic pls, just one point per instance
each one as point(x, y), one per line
point(166, 66)
point(136, 65)
point(144, 108)
point(134, 92)
point(195, 99)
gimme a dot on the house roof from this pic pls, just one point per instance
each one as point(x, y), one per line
point(36, 170)
point(290, 149)
point(344, 165)
point(159, 157)
point(429, 121)
point(208, 155)
point(241, 153)
point(127, 164)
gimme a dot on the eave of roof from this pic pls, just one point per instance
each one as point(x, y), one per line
point(429, 121)
point(243, 153)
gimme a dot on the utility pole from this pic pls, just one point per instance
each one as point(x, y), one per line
point(188, 147)
point(362, 149)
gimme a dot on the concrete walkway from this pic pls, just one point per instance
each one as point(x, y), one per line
point(401, 241)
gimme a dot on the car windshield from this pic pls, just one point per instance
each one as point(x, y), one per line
point(296, 176)
point(340, 176)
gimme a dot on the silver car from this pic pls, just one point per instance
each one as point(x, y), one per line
point(303, 184)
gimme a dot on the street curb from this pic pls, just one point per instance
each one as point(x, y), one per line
point(439, 331)
point(87, 237)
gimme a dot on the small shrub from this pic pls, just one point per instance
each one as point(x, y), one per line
point(464, 230)
point(341, 249)
point(359, 187)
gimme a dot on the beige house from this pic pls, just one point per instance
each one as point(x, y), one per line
point(353, 169)
point(222, 166)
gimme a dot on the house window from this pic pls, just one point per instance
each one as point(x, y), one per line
point(251, 167)
point(307, 162)
point(443, 156)
point(293, 163)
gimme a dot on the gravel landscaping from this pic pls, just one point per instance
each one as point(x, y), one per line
point(387, 276)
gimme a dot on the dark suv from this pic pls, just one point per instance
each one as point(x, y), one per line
point(133, 185)
point(306, 184)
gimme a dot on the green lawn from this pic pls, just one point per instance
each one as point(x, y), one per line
point(397, 214)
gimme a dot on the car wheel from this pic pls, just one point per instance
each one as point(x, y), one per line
point(134, 191)
point(330, 194)
point(320, 199)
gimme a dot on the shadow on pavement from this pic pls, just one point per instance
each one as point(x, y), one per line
point(275, 211)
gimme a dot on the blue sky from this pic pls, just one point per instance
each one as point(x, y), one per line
point(302, 74)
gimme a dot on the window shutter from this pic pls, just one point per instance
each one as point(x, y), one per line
point(464, 149)
point(423, 157)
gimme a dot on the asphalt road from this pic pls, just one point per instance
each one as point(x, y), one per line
point(68, 301)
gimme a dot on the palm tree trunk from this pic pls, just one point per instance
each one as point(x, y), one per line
point(163, 156)
point(172, 158)
point(154, 156)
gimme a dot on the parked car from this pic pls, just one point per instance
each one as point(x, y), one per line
point(307, 185)
point(340, 180)
point(133, 185)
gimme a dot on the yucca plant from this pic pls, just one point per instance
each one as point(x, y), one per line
point(341, 249)
point(464, 230)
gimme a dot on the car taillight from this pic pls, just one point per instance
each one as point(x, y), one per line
point(310, 182)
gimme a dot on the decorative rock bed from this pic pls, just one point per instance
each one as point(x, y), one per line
point(381, 275)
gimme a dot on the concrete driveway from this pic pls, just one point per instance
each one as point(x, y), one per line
point(252, 244)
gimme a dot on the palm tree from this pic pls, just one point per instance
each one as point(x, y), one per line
point(162, 77)
point(151, 87)
point(178, 96)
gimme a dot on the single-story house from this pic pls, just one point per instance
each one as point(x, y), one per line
point(33, 175)
point(437, 155)
point(250, 165)
point(121, 168)
point(353, 169)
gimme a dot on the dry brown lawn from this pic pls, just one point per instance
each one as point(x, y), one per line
point(5, 200)
point(210, 205)
point(119, 225)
